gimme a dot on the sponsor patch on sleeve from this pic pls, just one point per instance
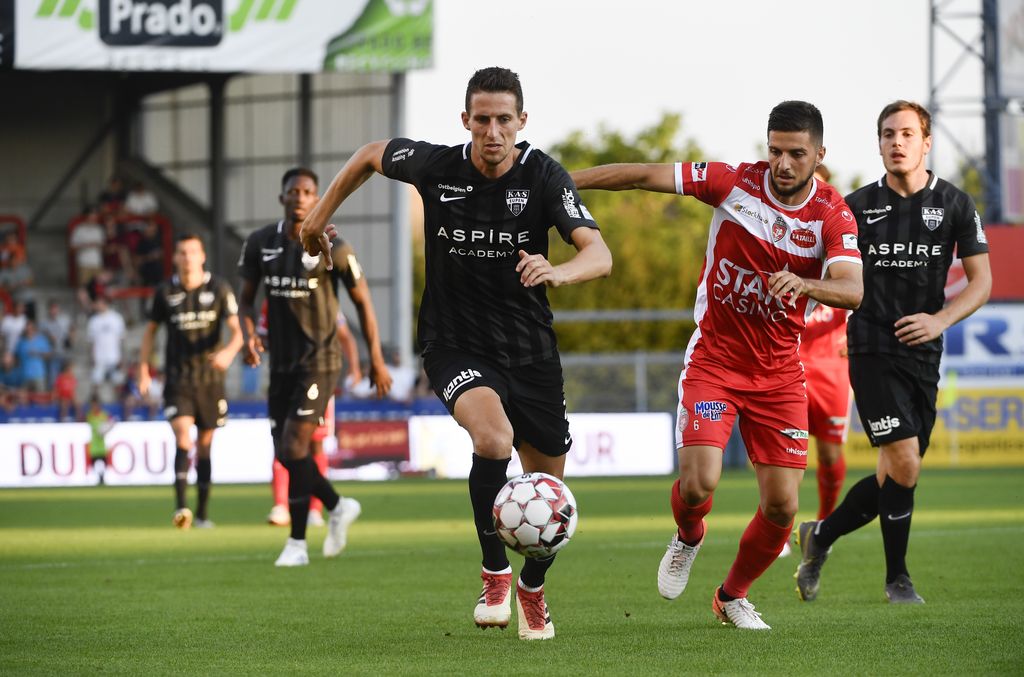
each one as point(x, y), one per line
point(698, 171)
point(849, 241)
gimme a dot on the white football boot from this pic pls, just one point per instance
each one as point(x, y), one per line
point(294, 554)
point(339, 519)
point(674, 570)
point(494, 608)
point(739, 612)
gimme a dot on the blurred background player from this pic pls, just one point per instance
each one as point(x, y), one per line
point(100, 423)
point(895, 337)
point(485, 323)
point(279, 515)
point(305, 355)
point(194, 305)
point(778, 240)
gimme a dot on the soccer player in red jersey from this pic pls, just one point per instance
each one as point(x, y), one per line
point(778, 240)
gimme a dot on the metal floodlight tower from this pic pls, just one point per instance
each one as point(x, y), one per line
point(976, 35)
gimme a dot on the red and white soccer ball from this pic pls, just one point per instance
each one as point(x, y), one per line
point(535, 514)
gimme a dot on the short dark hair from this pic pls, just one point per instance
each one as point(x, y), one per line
point(495, 79)
point(797, 116)
point(897, 106)
point(184, 237)
point(299, 171)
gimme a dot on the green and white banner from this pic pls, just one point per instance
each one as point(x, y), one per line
point(294, 36)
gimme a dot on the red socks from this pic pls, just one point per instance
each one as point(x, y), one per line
point(279, 484)
point(759, 547)
point(689, 519)
point(830, 483)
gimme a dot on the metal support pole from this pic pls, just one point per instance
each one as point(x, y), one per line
point(994, 106)
point(306, 120)
point(217, 183)
point(401, 240)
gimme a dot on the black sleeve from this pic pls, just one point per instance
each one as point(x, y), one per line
point(968, 231)
point(563, 205)
point(404, 159)
point(228, 303)
point(158, 311)
point(346, 266)
point(249, 260)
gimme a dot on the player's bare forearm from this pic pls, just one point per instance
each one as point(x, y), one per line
point(974, 295)
point(379, 374)
point(592, 260)
point(146, 349)
point(627, 176)
point(360, 167)
point(838, 293)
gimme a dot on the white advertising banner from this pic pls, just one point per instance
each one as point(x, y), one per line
point(987, 348)
point(602, 444)
point(302, 36)
point(45, 455)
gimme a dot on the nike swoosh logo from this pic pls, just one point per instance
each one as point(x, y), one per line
point(568, 439)
point(304, 412)
point(445, 198)
point(899, 517)
point(490, 533)
point(270, 257)
point(875, 219)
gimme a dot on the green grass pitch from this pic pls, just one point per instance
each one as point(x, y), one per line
point(95, 580)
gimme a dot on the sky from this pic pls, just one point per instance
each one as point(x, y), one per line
point(722, 65)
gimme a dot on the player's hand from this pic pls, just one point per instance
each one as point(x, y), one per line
point(253, 349)
point(316, 244)
point(380, 377)
point(786, 286)
point(355, 375)
point(220, 360)
point(913, 330)
point(535, 270)
point(144, 382)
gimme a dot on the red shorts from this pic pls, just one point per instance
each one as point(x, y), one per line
point(828, 399)
point(773, 415)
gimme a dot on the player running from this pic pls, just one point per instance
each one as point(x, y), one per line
point(485, 325)
point(305, 356)
point(194, 305)
point(778, 240)
point(909, 222)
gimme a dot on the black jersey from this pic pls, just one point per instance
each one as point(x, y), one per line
point(474, 227)
point(302, 305)
point(194, 320)
point(907, 247)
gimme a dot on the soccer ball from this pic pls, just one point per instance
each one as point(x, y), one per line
point(535, 514)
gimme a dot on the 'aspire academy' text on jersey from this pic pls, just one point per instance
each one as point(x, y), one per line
point(907, 246)
point(474, 227)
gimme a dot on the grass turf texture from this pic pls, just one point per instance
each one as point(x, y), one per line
point(95, 580)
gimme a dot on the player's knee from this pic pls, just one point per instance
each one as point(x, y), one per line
point(780, 511)
point(695, 489)
point(493, 443)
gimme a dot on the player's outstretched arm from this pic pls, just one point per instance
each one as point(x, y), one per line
point(379, 374)
point(350, 351)
point(221, 359)
point(592, 260)
point(145, 353)
point(843, 286)
point(922, 327)
point(251, 342)
point(360, 167)
point(659, 178)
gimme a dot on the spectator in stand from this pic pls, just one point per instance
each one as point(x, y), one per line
point(58, 328)
point(116, 252)
point(100, 424)
point(113, 196)
point(149, 255)
point(32, 352)
point(99, 286)
point(105, 330)
point(140, 201)
point(86, 243)
point(11, 328)
point(64, 387)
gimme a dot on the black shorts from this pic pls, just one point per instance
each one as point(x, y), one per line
point(895, 397)
point(533, 396)
point(300, 396)
point(205, 402)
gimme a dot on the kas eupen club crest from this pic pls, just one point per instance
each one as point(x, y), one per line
point(932, 217)
point(516, 199)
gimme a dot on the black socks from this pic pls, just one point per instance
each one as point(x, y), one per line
point(180, 477)
point(858, 508)
point(895, 507)
point(486, 478)
point(203, 473)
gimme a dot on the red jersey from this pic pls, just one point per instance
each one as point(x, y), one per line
point(739, 331)
point(824, 337)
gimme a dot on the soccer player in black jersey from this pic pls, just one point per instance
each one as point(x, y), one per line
point(305, 356)
point(908, 224)
point(485, 325)
point(195, 305)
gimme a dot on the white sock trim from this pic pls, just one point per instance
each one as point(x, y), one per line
point(506, 570)
point(527, 588)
